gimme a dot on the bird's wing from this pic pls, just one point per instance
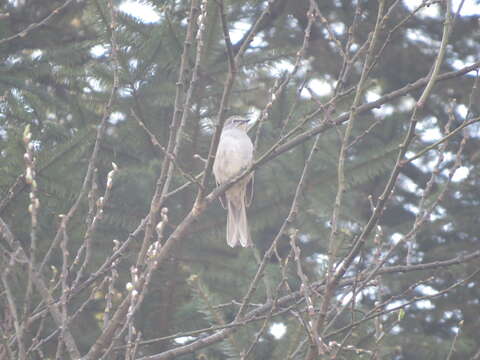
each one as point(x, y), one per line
point(249, 191)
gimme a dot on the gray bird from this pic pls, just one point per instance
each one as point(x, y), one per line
point(235, 154)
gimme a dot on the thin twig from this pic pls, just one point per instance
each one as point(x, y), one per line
point(34, 26)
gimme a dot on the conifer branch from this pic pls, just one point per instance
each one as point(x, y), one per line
point(35, 26)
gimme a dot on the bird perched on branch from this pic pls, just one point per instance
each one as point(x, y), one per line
point(235, 154)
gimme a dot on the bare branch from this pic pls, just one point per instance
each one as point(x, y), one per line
point(34, 26)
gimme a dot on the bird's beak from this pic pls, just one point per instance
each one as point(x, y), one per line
point(245, 124)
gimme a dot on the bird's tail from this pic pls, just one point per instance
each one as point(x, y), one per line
point(237, 226)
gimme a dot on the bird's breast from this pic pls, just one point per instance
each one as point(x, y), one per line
point(234, 153)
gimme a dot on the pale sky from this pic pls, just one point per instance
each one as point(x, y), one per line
point(148, 14)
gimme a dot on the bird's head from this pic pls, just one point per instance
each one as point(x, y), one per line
point(236, 122)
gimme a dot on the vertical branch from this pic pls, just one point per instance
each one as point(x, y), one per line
point(447, 26)
point(227, 88)
point(12, 308)
point(95, 221)
point(92, 163)
point(306, 290)
point(347, 62)
point(138, 288)
point(422, 212)
point(288, 220)
point(21, 256)
point(232, 71)
point(111, 288)
point(332, 243)
point(390, 184)
point(33, 207)
point(63, 295)
point(381, 202)
point(181, 109)
point(123, 316)
point(277, 89)
point(457, 334)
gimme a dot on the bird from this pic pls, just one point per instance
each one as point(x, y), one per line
point(234, 155)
